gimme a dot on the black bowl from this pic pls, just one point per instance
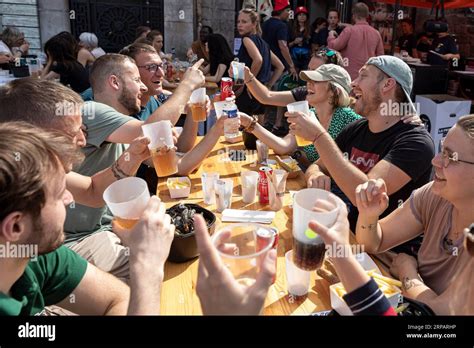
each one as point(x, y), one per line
point(184, 247)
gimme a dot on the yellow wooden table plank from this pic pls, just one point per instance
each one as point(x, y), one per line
point(178, 293)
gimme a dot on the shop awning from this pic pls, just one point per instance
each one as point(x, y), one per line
point(448, 4)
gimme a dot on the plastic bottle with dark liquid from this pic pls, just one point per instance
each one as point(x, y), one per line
point(309, 256)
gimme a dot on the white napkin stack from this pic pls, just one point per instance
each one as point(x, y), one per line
point(234, 215)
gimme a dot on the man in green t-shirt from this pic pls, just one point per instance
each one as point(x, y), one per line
point(35, 270)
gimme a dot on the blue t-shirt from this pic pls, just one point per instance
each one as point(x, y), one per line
point(265, 72)
point(275, 30)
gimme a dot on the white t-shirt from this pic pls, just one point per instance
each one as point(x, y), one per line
point(4, 48)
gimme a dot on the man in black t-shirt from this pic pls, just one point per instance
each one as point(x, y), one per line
point(378, 146)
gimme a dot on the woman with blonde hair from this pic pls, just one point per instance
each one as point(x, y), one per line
point(328, 89)
point(256, 54)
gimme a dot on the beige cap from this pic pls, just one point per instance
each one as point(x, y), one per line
point(329, 72)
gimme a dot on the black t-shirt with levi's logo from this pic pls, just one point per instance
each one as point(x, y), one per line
point(408, 147)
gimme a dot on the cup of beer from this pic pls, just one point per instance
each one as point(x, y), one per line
point(198, 104)
point(127, 199)
point(163, 152)
point(303, 107)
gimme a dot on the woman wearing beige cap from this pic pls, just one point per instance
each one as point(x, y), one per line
point(328, 93)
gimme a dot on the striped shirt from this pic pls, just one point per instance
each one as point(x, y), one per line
point(369, 300)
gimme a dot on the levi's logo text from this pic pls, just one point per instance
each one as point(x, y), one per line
point(364, 161)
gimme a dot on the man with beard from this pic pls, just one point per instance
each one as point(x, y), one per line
point(53, 106)
point(117, 88)
point(378, 146)
point(33, 196)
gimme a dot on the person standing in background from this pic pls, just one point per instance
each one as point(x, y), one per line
point(317, 29)
point(320, 37)
point(141, 32)
point(275, 33)
point(256, 55)
point(300, 43)
point(357, 43)
point(90, 42)
point(199, 46)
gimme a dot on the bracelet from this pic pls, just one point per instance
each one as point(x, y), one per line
point(319, 135)
point(118, 173)
point(250, 128)
point(251, 79)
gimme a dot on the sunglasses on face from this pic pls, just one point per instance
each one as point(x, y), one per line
point(151, 67)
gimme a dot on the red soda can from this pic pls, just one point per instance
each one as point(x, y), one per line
point(263, 184)
point(226, 88)
point(263, 234)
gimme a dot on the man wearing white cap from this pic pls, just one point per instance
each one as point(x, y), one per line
point(378, 146)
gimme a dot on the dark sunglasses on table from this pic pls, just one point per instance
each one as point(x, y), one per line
point(151, 67)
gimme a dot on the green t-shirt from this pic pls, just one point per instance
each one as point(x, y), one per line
point(81, 221)
point(45, 282)
point(340, 119)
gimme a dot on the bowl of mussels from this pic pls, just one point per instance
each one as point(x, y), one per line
point(184, 247)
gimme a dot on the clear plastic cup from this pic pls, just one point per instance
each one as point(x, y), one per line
point(249, 183)
point(238, 70)
point(297, 280)
point(198, 104)
point(163, 152)
point(301, 106)
point(160, 134)
point(262, 151)
point(242, 250)
point(224, 188)
point(280, 180)
point(219, 107)
point(127, 199)
point(208, 181)
point(308, 247)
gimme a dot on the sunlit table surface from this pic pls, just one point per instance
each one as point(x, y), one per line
point(179, 289)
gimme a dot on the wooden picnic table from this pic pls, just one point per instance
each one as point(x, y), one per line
point(179, 289)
